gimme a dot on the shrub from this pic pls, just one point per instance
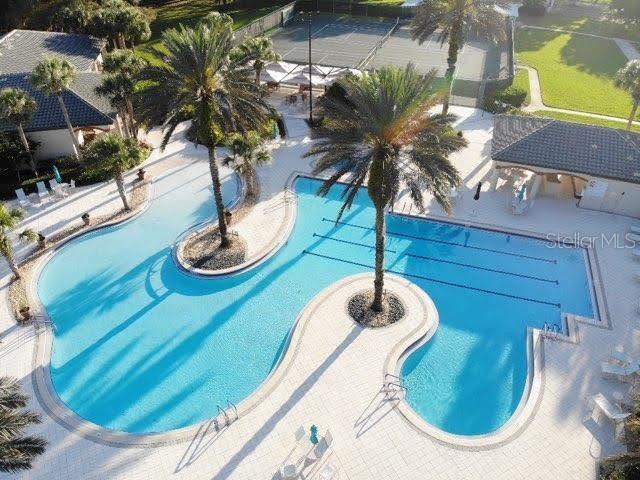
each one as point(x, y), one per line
point(501, 101)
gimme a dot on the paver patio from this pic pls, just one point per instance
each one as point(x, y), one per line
point(337, 372)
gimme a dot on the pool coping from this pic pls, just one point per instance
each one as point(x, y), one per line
point(532, 394)
point(522, 416)
point(270, 249)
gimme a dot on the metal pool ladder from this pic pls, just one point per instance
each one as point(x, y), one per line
point(392, 385)
point(224, 414)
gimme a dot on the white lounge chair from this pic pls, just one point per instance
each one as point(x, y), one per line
point(328, 472)
point(610, 411)
point(619, 372)
point(635, 228)
point(57, 188)
point(321, 448)
point(23, 200)
point(625, 358)
point(43, 193)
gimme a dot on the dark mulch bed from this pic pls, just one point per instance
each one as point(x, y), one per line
point(203, 251)
point(359, 309)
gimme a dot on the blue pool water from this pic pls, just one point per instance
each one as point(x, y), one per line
point(142, 347)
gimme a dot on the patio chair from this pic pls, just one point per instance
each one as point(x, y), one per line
point(43, 193)
point(609, 410)
point(625, 358)
point(619, 372)
point(328, 472)
point(23, 200)
point(57, 188)
point(322, 447)
point(289, 471)
point(300, 434)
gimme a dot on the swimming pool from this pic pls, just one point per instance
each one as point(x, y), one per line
point(140, 346)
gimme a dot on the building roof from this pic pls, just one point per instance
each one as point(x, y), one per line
point(85, 107)
point(22, 50)
point(568, 147)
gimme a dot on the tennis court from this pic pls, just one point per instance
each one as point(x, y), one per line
point(368, 43)
point(337, 41)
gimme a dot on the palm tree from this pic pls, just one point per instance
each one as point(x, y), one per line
point(114, 155)
point(381, 133)
point(17, 452)
point(247, 151)
point(258, 50)
point(455, 20)
point(9, 220)
point(628, 78)
point(119, 84)
point(53, 76)
point(198, 81)
point(18, 107)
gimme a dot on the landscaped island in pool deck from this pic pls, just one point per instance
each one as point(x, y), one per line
point(141, 346)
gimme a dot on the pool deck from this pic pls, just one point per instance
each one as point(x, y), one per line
point(334, 379)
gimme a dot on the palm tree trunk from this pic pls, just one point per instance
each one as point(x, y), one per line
point(378, 284)
point(11, 261)
point(258, 74)
point(132, 120)
point(23, 138)
point(65, 114)
point(217, 195)
point(452, 60)
point(632, 117)
point(121, 190)
point(124, 123)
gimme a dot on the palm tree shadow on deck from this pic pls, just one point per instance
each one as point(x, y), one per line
point(287, 406)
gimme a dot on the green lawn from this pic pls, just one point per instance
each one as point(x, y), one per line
point(576, 72)
point(171, 13)
point(521, 80)
point(584, 25)
point(586, 120)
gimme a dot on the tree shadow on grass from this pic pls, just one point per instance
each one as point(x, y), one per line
point(595, 56)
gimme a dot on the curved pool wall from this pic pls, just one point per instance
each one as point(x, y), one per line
point(140, 346)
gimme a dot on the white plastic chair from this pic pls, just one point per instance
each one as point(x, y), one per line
point(43, 193)
point(322, 447)
point(613, 413)
point(22, 198)
point(626, 358)
point(328, 472)
point(619, 372)
point(300, 433)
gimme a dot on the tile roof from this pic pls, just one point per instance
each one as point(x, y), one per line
point(22, 50)
point(83, 113)
point(565, 146)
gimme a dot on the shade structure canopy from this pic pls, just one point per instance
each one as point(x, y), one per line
point(295, 74)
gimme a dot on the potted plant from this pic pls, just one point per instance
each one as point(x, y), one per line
point(42, 240)
point(86, 218)
point(141, 174)
point(25, 313)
